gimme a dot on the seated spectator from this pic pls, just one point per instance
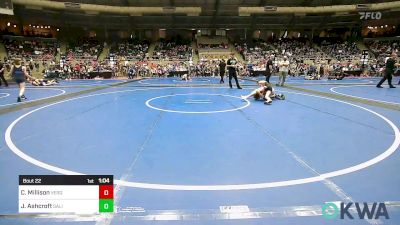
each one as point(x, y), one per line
point(130, 50)
point(298, 50)
point(382, 49)
point(254, 53)
point(341, 50)
point(213, 46)
point(29, 50)
point(170, 51)
point(84, 49)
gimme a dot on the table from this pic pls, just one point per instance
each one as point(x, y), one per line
point(103, 74)
point(352, 72)
point(177, 73)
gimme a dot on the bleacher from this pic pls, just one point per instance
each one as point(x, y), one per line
point(341, 50)
point(131, 50)
point(299, 49)
point(170, 51)
point(84, 49)
point(213, 47)
point(28, 48)
point(254, 52)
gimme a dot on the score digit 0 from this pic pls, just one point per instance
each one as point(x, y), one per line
point(106, 198)
point(106, 192)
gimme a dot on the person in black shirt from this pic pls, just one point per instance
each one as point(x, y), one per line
point(2, 69)
point(222, 66)
point(131, 72)
point(232, 68)
point(389, 70)
point(268, 68)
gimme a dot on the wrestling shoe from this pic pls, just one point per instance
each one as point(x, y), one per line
point(280, 97)
point(23, 97)
point(19, 99)
point(392, 86)
point(379, 86)
point(267, 102)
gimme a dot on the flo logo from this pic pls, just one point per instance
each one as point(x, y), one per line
point(370, 15)
point(331, 210)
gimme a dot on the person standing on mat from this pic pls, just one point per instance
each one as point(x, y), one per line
point(222, 66)
point(283, 70)
point(389, 71)
point(2, 69)
point(18, 72)
point(268, 68)
point(232, 70)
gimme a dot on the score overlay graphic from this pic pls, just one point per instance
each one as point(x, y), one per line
point(80, 194)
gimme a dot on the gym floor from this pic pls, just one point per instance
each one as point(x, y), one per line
point(181, 151)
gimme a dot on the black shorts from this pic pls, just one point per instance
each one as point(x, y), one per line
point(19, 80)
